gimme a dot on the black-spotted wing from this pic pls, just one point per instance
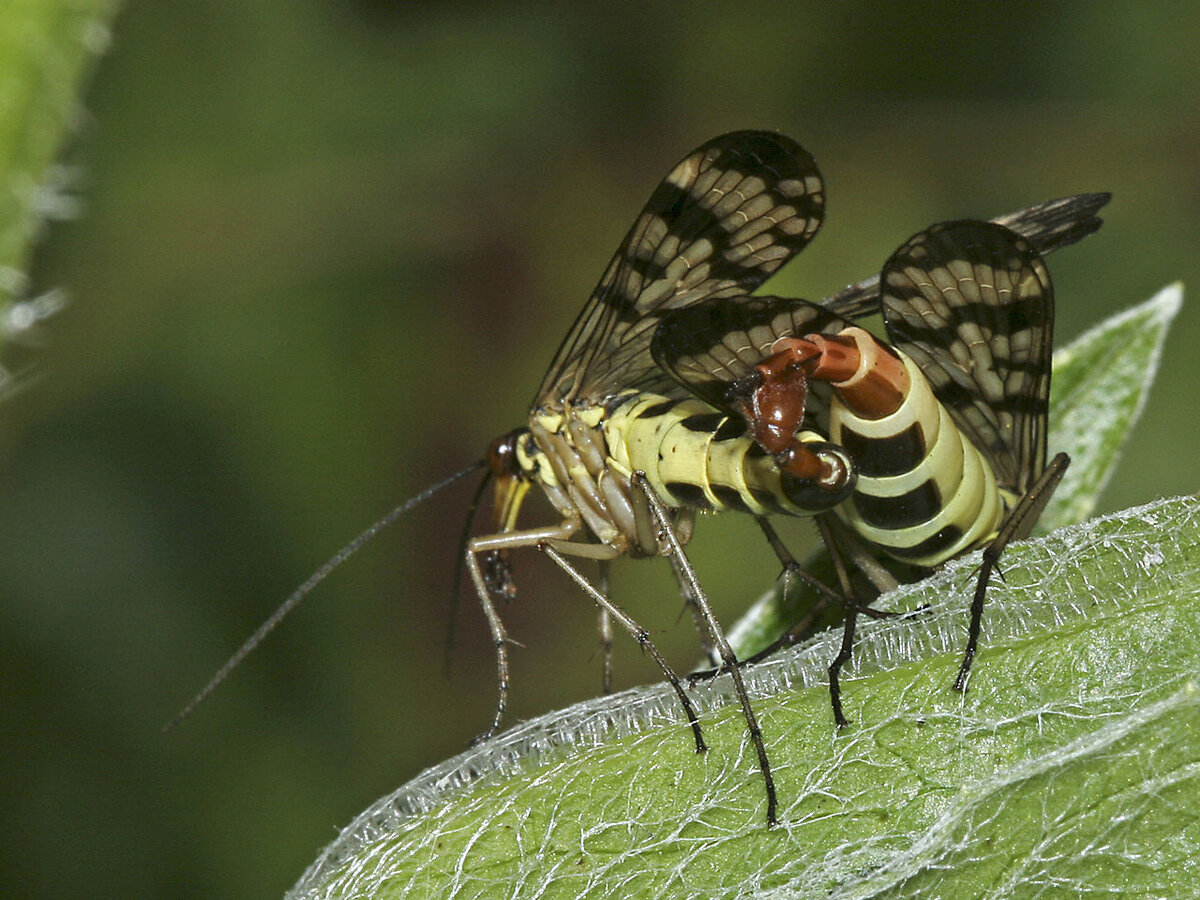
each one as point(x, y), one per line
point(971, 303)
point(1047, 226)
point(709, 346)
point(727, 216)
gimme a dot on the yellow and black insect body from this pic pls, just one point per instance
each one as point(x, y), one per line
point(633, 428)
point(944, 431)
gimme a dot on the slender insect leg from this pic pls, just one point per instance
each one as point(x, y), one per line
point(638, 633)
point(500, 639)
point(798, 631)
point(874, 571)
point(606, 635)
point(801, 629)
point(863, 561)
point(728, 658)
point(1018, 525)
point(827, 526)
point(835, 668)
point(456, 585)
point(841, 544)
point(793, 569)
point(692, 604)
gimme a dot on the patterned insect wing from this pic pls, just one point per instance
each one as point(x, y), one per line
point(726, 217)
point(709, 346)
point(1047, 226)
point(971, 303)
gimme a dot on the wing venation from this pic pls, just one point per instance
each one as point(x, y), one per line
point(707, 347)
point(723, 220)
point(1048, 226)
point(971, 302)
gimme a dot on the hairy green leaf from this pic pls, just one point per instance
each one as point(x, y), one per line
point(1070, 767)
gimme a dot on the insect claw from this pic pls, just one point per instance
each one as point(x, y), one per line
point(482, 738)
point(708, 674)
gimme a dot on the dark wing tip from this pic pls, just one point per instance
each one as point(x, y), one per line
point(761, 140)
point(796, 176)
point(972, 241)
point(721, 222)
point(1058, 223)
point(999, 239)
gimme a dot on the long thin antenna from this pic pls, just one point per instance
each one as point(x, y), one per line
point(311, 582)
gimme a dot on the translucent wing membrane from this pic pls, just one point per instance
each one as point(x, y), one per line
point(727, 216)
point(971, 303)
point(1047, 226)
point(709, 346)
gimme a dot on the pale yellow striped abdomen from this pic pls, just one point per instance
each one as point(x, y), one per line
point(924, 494)
point(697, 457)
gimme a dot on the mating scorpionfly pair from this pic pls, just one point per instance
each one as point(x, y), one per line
point(676, 391)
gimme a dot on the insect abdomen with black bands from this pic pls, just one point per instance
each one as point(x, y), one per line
point(925, 493)
point(922, 492)
point(696, 457)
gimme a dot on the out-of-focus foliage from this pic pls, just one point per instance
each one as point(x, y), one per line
point(328, 247)
point(47, 48)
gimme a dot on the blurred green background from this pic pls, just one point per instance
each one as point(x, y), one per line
point(327, 249)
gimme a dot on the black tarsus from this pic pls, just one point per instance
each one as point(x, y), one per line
point(1017, 526)
point(729, 660)
point(827, 525)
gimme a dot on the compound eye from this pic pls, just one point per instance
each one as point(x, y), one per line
point(502, 454)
